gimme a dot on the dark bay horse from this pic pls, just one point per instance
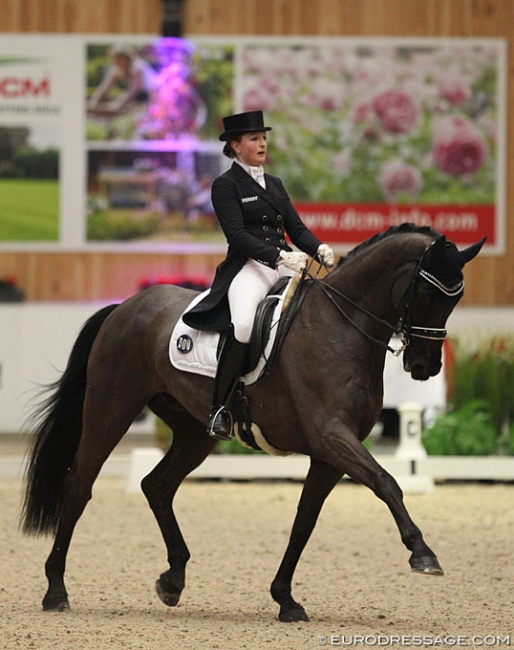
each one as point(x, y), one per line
point(322, 399)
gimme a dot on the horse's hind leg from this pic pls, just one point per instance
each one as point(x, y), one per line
point(77, 492)
point(319, 482)
point(190, 447)
point(102, 431)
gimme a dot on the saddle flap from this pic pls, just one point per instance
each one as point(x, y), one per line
point(260, 332)
point(263, 322)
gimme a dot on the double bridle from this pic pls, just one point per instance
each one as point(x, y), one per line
point(405, 331)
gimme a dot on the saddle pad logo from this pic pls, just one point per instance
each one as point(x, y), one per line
point(184, 344)
point(195, 351)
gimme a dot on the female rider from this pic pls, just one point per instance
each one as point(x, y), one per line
point(255, 214)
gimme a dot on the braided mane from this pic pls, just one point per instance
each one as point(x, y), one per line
point(393, 230)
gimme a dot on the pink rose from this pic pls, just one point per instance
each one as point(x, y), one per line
point(257, 99)
point(453, 89)
point(396, 111)
point(398, 178)
point(362, 112)
point(458, 149)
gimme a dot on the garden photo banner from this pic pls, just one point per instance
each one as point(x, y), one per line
point(111, 142)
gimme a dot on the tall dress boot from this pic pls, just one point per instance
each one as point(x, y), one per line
point(230, 367)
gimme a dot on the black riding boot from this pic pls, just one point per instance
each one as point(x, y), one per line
point(230, 366)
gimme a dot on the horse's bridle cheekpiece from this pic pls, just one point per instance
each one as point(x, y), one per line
point(409, 330)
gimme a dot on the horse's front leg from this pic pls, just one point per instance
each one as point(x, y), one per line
point(320, 481)
point(356, 461)
point(422, 559)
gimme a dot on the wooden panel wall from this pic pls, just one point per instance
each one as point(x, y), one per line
point(91, 276)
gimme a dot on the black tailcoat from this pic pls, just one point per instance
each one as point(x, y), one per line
point(255, 222)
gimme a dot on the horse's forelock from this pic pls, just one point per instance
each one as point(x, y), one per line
point(446, 265)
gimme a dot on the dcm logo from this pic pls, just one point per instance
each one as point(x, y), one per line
point(13, 87)
point(18, 82)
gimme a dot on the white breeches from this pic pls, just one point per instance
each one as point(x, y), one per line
point(247, 289)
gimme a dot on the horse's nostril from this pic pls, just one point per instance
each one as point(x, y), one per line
point(419, 372)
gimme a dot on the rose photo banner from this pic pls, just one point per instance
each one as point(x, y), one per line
point(111, 142)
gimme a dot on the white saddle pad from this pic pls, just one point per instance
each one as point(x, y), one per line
point(195, 351)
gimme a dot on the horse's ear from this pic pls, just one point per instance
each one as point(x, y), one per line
point(472, 251)
point(437, 249)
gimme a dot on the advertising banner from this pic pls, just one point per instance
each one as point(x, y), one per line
point(111, 142)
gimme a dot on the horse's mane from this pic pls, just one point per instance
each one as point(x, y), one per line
point(393, 230)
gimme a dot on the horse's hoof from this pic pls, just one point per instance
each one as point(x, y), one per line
point(55, 603)
point(293, 614)
point(169, 598)
point(428, 565)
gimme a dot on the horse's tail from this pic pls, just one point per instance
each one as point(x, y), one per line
point(58, 428)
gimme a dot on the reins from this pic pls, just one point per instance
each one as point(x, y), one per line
point(329, 290)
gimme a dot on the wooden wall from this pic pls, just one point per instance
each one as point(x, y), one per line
point(98, 276)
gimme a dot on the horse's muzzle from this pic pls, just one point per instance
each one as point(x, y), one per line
point(419, 372)
point(421, 369)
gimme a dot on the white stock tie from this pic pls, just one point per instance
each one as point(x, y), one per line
point(258, 175)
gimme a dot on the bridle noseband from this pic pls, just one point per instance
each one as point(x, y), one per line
point(406, 331)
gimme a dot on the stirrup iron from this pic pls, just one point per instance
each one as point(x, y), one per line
point(225, 430)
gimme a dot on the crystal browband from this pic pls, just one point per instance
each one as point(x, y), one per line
point(449, 291)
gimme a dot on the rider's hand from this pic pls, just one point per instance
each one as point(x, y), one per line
point(326, 255)
point(295, 261)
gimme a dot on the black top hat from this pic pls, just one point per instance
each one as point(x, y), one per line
point(243, 123)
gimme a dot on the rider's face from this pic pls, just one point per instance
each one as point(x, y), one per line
point(252, 148)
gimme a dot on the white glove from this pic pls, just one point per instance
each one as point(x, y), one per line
point(326, 255)
point(295, 261)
